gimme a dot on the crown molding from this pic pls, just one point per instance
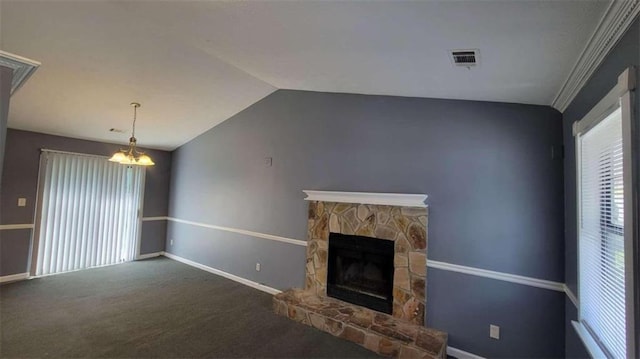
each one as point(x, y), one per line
point(619, 16)
point(22, 68)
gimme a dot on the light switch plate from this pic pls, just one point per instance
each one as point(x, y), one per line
point(22, 202)
point(494, 331)
point(268, 161)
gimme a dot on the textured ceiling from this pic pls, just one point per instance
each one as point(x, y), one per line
point(192, 65)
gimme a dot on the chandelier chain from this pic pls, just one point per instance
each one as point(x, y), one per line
point(135, 116)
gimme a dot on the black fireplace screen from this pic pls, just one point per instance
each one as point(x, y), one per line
point(360, 271)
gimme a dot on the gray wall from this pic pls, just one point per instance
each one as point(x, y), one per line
point(495, 197)
point(626, 53)
point(20, 179)
point(6, 75)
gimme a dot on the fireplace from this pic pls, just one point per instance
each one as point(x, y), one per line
point(365, 273)
point(403, 226)
point(360, 271)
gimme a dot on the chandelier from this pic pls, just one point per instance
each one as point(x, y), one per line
point(131, 156)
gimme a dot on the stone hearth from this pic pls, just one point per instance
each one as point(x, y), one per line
point(378, 332)
point(400, 334)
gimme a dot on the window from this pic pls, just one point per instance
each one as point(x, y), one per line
point(605, 261)
point(601, 240)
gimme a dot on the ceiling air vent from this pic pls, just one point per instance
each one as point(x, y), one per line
point(466, 58)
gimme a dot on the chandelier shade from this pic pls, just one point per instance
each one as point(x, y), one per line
point(131, 155)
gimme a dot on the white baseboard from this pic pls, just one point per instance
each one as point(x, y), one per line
point(149, 255)
point(233, 277)
point(14, 277)
point(461, 354)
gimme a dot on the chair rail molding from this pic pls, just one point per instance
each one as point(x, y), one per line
point(297, 242)
point(507, 277)
point(16, 226)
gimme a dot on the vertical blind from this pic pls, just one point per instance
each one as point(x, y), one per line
point(601, 239)
point(89, 212)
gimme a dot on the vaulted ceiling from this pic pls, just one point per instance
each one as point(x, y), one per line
point(194, 64)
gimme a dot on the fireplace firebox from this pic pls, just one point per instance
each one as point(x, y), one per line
point(360, 271)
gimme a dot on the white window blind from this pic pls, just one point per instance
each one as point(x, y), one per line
point(601, 235)
point(89, 212)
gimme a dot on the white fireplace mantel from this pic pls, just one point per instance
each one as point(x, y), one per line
point(388, 199)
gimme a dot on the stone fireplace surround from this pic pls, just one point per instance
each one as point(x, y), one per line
point(399, 218)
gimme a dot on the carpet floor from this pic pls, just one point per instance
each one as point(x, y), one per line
point(153, 308)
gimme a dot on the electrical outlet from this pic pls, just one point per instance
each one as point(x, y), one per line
point(22, 202)
point(257, 267)
point(171, 242)
point(494, 331)
point(268, 161)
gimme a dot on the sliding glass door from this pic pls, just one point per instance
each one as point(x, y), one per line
point(88, 213)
